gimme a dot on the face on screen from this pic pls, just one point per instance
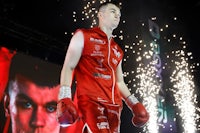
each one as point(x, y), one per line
point(32, 108)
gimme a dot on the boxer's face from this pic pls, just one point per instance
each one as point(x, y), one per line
point(32, 108)
point(109, 16)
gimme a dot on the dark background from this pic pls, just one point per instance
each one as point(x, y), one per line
point(39, 26)
point(43, 28)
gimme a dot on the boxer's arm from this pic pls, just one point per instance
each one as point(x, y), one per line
point(72, 58)
point(140, 115)
point(120, 82)
point(67, 113)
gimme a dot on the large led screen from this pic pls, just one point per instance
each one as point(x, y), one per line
point(29, 90)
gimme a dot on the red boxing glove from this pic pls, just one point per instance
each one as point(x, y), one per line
point(67, 113)
point(140, 114)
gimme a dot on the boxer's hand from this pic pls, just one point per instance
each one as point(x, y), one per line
point(140, 114)
point(67, 113)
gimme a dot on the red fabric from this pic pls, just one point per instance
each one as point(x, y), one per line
point(5, 60)
point(98, 117)
point(95, 72)
point(6, 126)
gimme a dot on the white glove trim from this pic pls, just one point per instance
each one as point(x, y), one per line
point(65, 92)
point(131, 100)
